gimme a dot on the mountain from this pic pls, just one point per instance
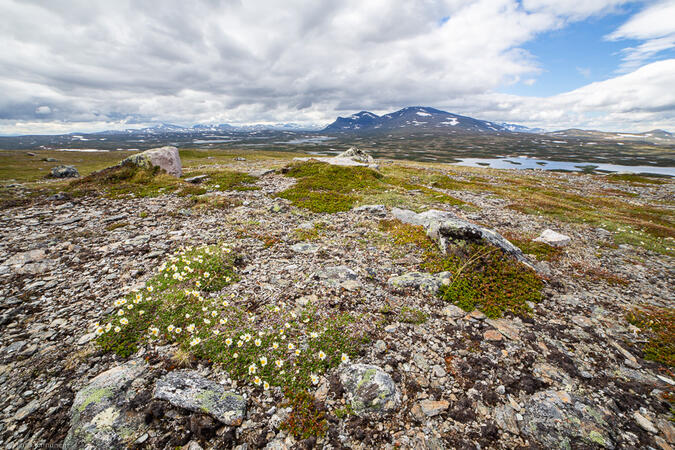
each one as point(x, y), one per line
point(413, 118)
point(521, 129)
point(653, 136)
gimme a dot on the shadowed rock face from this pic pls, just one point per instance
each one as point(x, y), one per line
point(187, 389)
point(166, 158)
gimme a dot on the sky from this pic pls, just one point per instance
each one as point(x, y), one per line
point(93, 65)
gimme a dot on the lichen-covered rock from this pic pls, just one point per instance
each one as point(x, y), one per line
point(425, 282)
point(99, 418)
point(352, 157)
point(553, 238)
point(188, 389)
point(64, 172)
point(558, 419)
point(305, 247)
point(166, 158)
point(446, 230)
point(369, 389)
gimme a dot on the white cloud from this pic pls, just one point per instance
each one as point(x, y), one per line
point(209, 61)
point(655, 26)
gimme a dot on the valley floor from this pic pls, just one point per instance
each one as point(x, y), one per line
point(575, 372)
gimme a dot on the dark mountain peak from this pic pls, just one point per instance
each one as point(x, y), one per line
point(413, 118)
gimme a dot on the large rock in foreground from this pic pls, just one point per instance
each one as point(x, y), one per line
point(446, 229)
point(166, 158)
point(188, 389)
point(99, 417)
point(369, 389)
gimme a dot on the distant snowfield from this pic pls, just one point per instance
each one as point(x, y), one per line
point(423, 114)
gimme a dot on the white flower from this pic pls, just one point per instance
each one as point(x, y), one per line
point(263, 361)
point(124, 321)
point(314, 335)
point(108, 327)
point(257, 342)
point(257, 381)
point(291, 346)
point(154, 331)
point(206, 274)
point(150, 288)
point(207, 321)
point(275, 345)
point(240, 343)
point(223, 321)
point(130, 306)
point(322, 355)
point(195, 341)
point(117, 329)
point(252, 369)
point(170, 328)
point(315, 379)
point(191, 328)
point(216, 331)
point(297, 352)
point(120, 312)
point(266, 385)
point(235, 355)
point(214, 313)
point(228, 342)
point(99, 331)
point(344, 358)
point(279, 363)
point(178, 330)
point(226, 303)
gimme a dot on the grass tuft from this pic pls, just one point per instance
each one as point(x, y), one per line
point(658, 324)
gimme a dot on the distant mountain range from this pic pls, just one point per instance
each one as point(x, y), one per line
point(417, 118)
point(654, 136)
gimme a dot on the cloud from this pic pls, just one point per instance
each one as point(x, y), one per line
point(654, 26)
point(111, 64)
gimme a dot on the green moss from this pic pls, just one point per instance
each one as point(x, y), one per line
point(116, 225)
point(638, 178)
point(95, 396)
point(658, 324)
point(326, 188)
point(412, 315)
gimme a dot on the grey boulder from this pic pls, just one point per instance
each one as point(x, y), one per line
point(558, 419)
point(369, 389)
point(64, 172)
point(99, 418)
point(188, 389)
point(166, 158)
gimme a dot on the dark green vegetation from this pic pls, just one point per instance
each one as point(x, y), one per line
point(658, 324)
point(304, 420)
point(325, 188)
point(482, 276)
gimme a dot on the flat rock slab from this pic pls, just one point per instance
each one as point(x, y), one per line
point(99, 418)
point(553, 238)
point(188, 389)
point(425, 282)
point(305, 248)
point(369, 389)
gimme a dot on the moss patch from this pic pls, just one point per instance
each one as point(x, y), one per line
point(658, 324)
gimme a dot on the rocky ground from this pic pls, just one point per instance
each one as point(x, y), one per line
point(571, 376)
